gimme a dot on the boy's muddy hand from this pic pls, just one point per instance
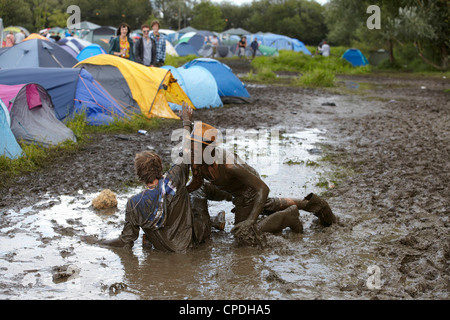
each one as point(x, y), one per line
point(242, 228)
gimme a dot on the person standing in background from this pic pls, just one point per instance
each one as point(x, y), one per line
point(160, 41)
point(9, 41)
point(241, 47)
point(19, 37)
point(146, 48)
point(325, 50)
point(122, 45)
point(254, 45)
point(214, 45)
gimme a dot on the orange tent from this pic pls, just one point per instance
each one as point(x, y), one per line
point(35, 36)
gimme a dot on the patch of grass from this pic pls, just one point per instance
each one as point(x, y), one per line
point(317, 78)
point(132, 125)
point(178, 61)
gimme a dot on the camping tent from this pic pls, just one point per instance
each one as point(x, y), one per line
point(36, 36)
point(101, 36)
point(236, 31)
point(90, 51)
point(32, 117)
point(355, 57)
point(230, 88)
point(71, 90)
point(139, 88)
point(199, 84)
point(196, 39)
point(36, 53)
point(185, 49)
point(74, 43)
point(279, 42)
point(8, 144)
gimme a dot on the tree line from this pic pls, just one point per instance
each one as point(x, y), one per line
point(416, 28)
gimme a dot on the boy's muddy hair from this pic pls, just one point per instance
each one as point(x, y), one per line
point(148, 166)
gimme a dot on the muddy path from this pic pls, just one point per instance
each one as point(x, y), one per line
point(386, 142)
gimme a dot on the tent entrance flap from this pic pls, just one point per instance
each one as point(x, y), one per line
point(33, 97)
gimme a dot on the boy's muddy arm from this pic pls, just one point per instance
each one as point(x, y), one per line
point(262, 192)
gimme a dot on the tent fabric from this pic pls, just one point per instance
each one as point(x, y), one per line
point(133, 84)
point(8, 144)
point(36, 53)
point(69, 50)
point(279, 42)
point(230, 88)
point(71, 90)
point(37, 124)
point(184, 49)
point(36, 36)
point(199, 84)
point(74, 43)
point(355, 57)
point(90, 51)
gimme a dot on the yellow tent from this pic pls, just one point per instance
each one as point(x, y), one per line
point(134, 85)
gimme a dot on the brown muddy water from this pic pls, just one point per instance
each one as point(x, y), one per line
point(48, 250)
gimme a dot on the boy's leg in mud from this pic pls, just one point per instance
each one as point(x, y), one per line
point(277, 221)
point(311, 203)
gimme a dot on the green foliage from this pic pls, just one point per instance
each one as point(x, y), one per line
point(318, 78)
point(207, 16)
point(178, 61)
point(298, 62)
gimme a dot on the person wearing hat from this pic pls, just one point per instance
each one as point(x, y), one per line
point(164, 210)
point(250, 193)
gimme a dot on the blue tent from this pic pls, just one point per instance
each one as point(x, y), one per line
point(299, 46)
point(231, 89)
point(199, 85)
point(71, 90)
point(279, 42)
point(8, 144)
point(36, 53)
point(90, 51)
point(355, 57)
point(185, 49)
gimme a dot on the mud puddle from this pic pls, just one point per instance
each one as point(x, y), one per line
point(48, 250)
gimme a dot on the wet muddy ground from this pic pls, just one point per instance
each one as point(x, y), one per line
point(385, 142)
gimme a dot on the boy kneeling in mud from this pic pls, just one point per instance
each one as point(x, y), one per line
point(250, 194)
point(164, 209)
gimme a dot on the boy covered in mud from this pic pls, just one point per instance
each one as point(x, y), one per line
point(250, 194)
point(164, 209)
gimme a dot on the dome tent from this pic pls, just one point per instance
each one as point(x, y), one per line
point(71, 90)
point(36, 53)
point(138, 88)
point(199, 84)
point(355, 57)
point(32, 117)
point(230, 88)
point(8, 144)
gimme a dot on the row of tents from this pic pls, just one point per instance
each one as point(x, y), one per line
point(106, 88)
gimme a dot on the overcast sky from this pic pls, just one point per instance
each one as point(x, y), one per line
point(250, 1)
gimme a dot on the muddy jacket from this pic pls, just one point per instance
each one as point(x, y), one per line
point(164, 214)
